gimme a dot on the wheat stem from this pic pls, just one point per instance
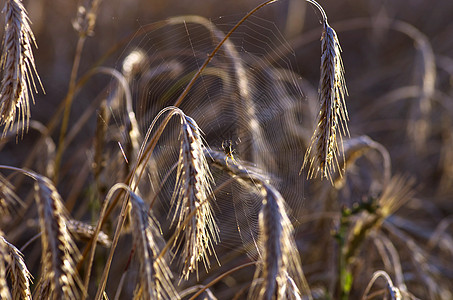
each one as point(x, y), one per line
point(84, 25)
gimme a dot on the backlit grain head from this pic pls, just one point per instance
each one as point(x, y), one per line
point(280, 269)
point(5, 259)
point(18, 66)
point(59, 252)
point(154, 276)
point(322, 155)
point(83, 231)
point(18, 272)
point(193, 187)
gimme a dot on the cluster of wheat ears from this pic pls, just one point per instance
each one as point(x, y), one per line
point(174, 216)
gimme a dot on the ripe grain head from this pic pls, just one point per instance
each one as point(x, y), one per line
point(59, 251)
point(154, 276)
point(280, 270)
point(4, 260)
point(193, 187)
point(322, 155)
point(19, 274)
point(18, 65)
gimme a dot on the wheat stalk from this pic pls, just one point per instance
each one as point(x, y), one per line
point(322, 155)
point(18, 65)
point(193, 180)
point(20, 276)
point(155, 276)
point(393, 291)
point(58, 248)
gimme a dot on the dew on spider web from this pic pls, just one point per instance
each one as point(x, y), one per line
point(249, 94)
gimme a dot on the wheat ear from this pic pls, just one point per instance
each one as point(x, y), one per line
point(4, 260)
point(83, 231)
point(58, 248)
point(155, 276)
point(322, 155)
point(279, 271)
point(18, 65)
point(20, 276)
point(280, 266)
point(193, 187)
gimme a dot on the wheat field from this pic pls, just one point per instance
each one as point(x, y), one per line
point(291, 149)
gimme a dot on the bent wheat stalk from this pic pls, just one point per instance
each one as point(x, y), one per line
point(393, 291)
point(18, 66)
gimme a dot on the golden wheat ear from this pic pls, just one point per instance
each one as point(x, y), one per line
point(18, 272)
point(322, 155)
point(18, 66)
point(85, 232)
point(193, 187)
point(154, 276)
point(280, 270)
point(4, 260)
point(59, 279)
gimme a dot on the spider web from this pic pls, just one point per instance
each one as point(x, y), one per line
point(250, 94)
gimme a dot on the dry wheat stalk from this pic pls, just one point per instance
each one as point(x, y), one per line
point(322, 155)
point(392, 290)
point(20, 276)
point(18, 66)
point(4, 259)
point(193, 187)
point(155, 276)
point(83, 231)
point(280, 266)
point(58, 249)
point(353, 149)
